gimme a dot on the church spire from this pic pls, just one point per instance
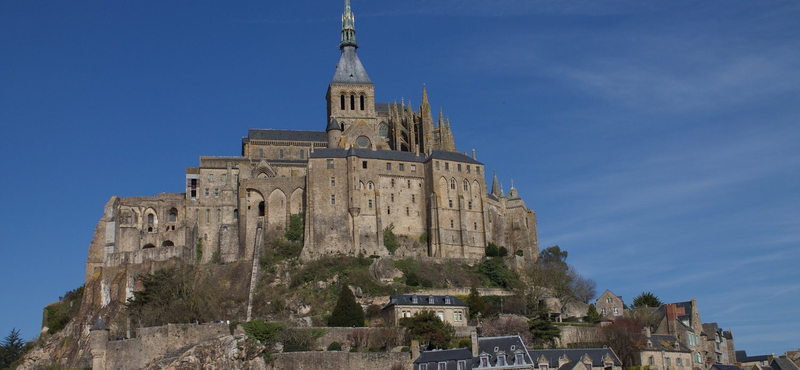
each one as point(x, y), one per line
point(348, 27)
point(496, 191)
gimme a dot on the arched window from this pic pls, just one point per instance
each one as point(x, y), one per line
point(150, 219)
point(219, 215)
point(466, 185)
point(341, 102)
point(362, 102)
point(453, 184)
point(167, 243)
point(261, 208)
point(383, 130)
point(280, 153)
point(236, 214)
point(369, 186)
point(302, 154)
point(148, 246)
point(352, 102)
point(208, 215)
point(173, 215)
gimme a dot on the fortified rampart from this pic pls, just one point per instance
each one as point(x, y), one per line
point(340, 360)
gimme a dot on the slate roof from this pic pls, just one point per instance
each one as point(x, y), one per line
point(424, 300)
point(666, 343)
point(725, 367)
point(434, 357)
point(741, 356)
point(574, 355)
point(782, 364)
point(349, 70)
point(452, 156)
point(388, 155)
point(287, 135)
point(510, 345)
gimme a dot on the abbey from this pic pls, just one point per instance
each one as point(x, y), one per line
point(374, 167)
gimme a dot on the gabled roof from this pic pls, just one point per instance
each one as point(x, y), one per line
point(424, 300)
point(349, 70)
point(575, 355)
point(286, 135)
point(782, 364)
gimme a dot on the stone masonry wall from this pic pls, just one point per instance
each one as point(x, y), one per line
point(156, 342)
point(340, 360)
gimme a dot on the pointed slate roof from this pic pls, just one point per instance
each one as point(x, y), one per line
point(349, 70)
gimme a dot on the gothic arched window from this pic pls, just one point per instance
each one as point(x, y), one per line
point(352, 102)
point(341, 102)
point(362, 102)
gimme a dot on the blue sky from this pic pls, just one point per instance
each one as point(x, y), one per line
point(657, 141)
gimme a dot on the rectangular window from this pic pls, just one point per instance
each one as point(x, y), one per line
point(392, 197)
point(679, 361)
point(462, 365)
point(401, 167)
point(542, 367)
point(388, 166)
point(501, 360)
point(210, 177)
point(236, 178)
point(651, 361)
point(447, 166)
point(333, 181)
point(363, 164)
point(388, 210)
point(333, 199)
point(216, 193)
point(330, 163)
point(207, 193)
point(520, 359)
point(193, 187)
point(408, 183)
point(224, 177)
point(478, 170)
point(280, 154)
point(413, 198)
point(442, 366)
point(667, 361)
point(468, 169)
point(408, 212)
point(413, 168)
point(370, 204)
point(423, 366)
point(437, 164)
point(459, 167)
point(450, 203)
point(302, 154)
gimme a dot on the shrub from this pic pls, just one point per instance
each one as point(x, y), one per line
point(373, 311)
point(265, 332)
point(464, 343)
point(295, 230)
point(502, 252)
point(423, 238)
point(300, 340)
point(412, 279)
point(390, 239)
point(59, 314)
point(497, 273)
point(492, 250)
point(335, 346)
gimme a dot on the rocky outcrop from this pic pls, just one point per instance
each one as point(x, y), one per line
point(228, 352)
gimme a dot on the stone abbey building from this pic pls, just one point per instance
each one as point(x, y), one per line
point(374, 166)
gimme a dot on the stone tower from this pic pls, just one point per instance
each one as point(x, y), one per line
point(351, 96)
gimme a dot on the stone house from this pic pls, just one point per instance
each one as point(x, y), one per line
point(665, 352)
point(719, 346)
point(609, 305)
point(448, 308)
point(576, 359)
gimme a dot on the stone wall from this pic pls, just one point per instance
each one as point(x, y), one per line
point(578, 334)
point(340, 360)
point(155, 342)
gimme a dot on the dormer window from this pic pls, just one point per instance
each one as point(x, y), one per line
point(501, 360)
point(462, 365)
point(447, 300)
point(414, 299)
point(519, 359)
point(484, 361)
point(430, 300)
point(543, 367)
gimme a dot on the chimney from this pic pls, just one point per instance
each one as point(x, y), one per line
point(414, 350)
point(473, 337)
point(473, 153)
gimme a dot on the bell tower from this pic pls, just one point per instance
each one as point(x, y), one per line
point(351, 96)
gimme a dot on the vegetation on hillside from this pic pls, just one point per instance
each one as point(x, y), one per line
point(347, 312)
point(58, 314)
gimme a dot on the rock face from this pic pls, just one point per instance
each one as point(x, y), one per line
point(229, 352)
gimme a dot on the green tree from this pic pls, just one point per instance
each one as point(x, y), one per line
point(476, 303)
point(347, 312)
point(492, 250)
point(646, 299)
point(176, 295)
point(390, 240)
point(544, 331)
point(429, 330)
point(592, 315)
point(497, 272)
point(554, 256)
point(502, 252)
point(296, 225)
point(11, 349)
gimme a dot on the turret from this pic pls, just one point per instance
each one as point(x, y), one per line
point(334, 131)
